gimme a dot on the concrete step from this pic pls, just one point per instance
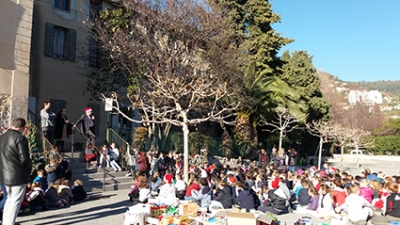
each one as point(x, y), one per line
point(99, 175)
point(111, 184)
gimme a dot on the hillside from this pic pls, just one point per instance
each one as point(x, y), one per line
point(388, 86)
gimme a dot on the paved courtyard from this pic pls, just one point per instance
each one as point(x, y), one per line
point(109, 207)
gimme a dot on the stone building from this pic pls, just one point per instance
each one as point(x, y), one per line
point(15, 43)
point(45, 51)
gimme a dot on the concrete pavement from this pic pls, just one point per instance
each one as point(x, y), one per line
point(102, 209)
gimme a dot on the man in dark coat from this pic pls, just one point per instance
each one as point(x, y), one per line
point(15, 168)
point(262, 159)
point(88, 128)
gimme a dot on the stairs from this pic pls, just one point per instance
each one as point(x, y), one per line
point(92, 178)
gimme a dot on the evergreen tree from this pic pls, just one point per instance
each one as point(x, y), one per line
point(263, 91)
point(299, 72)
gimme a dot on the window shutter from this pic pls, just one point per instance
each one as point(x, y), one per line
point(92, 51)
point(49, 39)
point(71, 44)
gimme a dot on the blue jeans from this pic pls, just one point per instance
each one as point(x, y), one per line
point(292, 168)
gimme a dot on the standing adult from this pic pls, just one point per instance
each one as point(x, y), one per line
point(88, 128)
point(293, 158)
point(62, 129)
point(262, 159)
point(47, 121)
point(15, 168)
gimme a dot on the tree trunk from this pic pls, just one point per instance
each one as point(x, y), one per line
point(321, 141)
point(280, 138)
point(341, 152)
point(185, 129)
point(243, 128)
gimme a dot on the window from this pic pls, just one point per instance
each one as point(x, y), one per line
point(60, 42)
point(57, 105)
point(62, 4)
point(95, 7)
point(94, 52)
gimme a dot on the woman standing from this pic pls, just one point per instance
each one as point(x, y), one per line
point(62, 129)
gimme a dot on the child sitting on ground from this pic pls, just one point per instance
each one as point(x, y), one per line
point(64, 191)
point(42, 179)
point(180, 187)
point(247, 198)
point(358, 208)
point(144, 190)
point(203, 196)
point(365, 190)
point(304, 198)
point(52, 197)
point(53, 171)
point(36, 197)
point(78, 191)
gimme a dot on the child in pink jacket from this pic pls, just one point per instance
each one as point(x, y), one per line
point(365, 190)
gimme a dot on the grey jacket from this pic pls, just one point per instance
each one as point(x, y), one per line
point(47, 118)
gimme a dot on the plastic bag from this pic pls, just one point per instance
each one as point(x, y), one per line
point(134, 218)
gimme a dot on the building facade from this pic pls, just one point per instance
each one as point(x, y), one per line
point(15, 44)
point(61, 55)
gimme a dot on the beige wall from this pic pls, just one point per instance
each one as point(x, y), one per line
point(15, 40)
point(62, 79)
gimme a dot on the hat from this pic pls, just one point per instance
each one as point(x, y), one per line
point(88, 109)
point(211, 167)
point(168, 178)
point(275, 183)
point(333, 169)
point(232, 180)
point(314, 168)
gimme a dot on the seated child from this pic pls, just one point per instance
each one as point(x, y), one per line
point(53, 171)
point(41, 177)
point(358, 208)
point(365, 190)
point(277, 199)
point(168, 191)
point(52, 197)
point(144, 190)
point(303, 197)
point(180, 187)
point(222, 196)
point(78, 191)
point(64, 191)
point(36, 197)
point(246, 198)
point(312, 206)
point(203, 196)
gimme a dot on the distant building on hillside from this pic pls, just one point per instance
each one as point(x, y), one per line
point(366, 97)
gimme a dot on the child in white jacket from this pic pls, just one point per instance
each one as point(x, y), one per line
point(144, 190)
point(358, 208)
point(325, 204)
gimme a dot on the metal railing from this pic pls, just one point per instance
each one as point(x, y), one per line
point(123, 146)
point(38, 143)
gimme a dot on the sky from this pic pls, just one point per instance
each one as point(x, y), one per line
point(355, 40)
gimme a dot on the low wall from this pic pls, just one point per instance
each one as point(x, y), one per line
point(353, 158)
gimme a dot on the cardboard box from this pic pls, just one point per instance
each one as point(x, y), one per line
point(241, 218)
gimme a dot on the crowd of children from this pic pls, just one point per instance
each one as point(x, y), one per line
point(324, 193)
point(51, 188)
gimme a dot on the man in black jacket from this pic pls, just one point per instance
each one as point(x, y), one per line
point(15, 168)
point(88, 128)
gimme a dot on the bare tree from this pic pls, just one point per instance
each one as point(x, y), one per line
point(343, 136)
point(358, 141)
point(176, 59)
point(285, 123)
point(323, 130)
